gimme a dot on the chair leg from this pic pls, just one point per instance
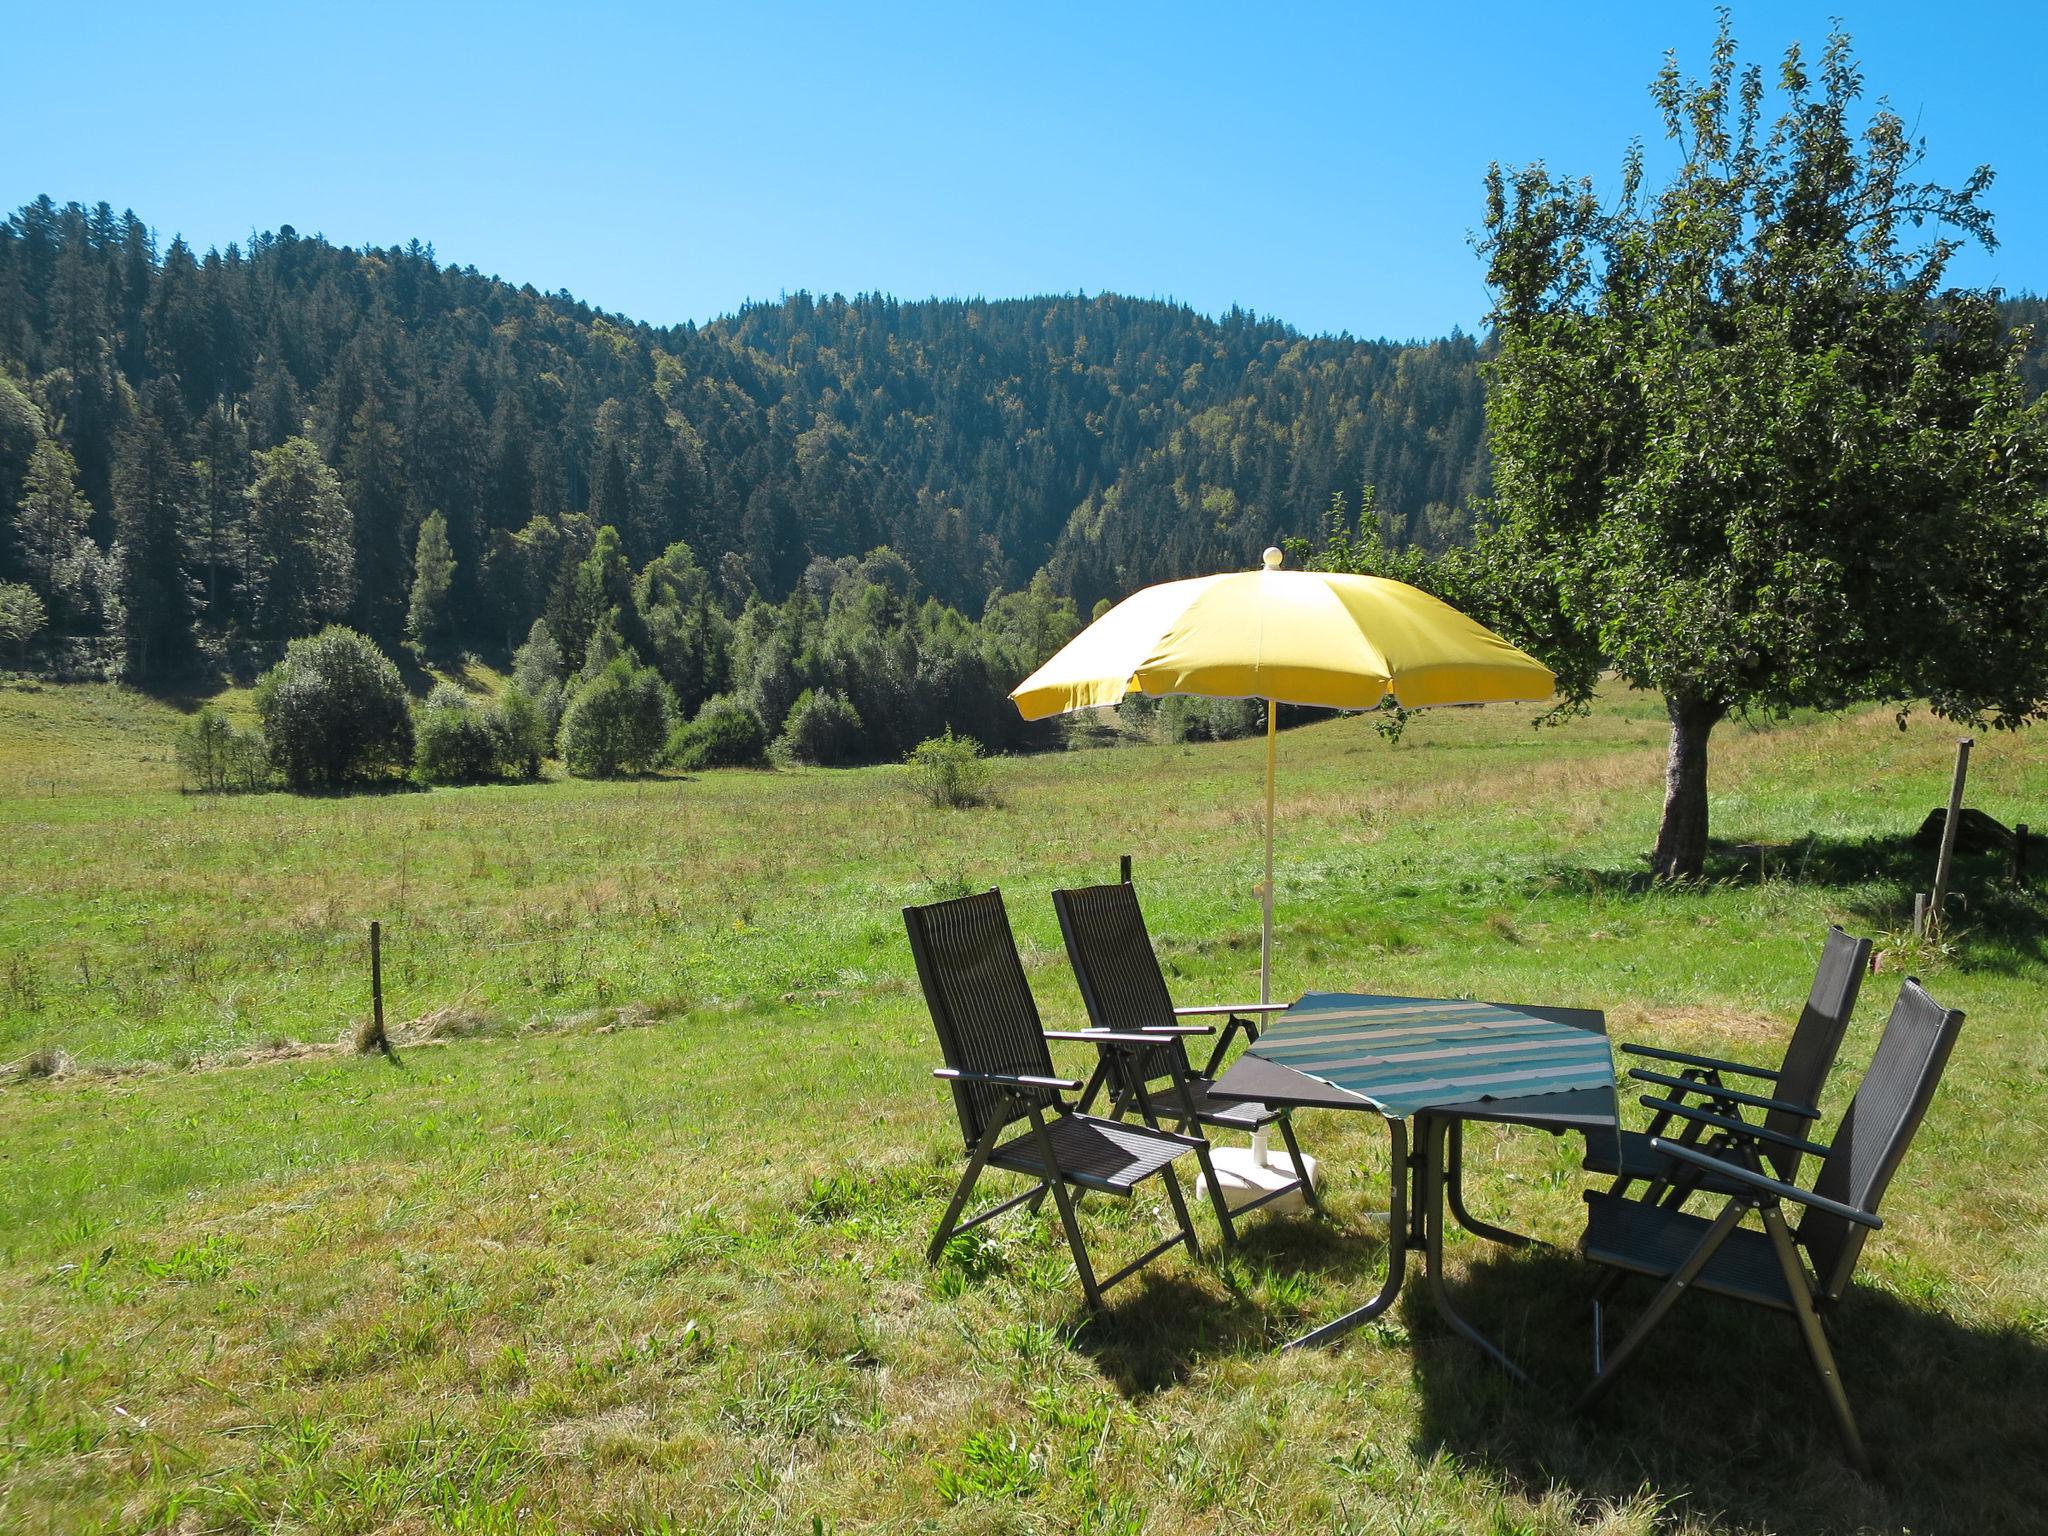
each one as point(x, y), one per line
point(1217, 1198)
point(1816, 1338)
point(1309, 1196)
point(1680, 1281)
point(1060, 1198)
point(1180, 1208)
point(975, 1164)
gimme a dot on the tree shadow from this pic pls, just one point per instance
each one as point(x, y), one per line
point(1877, 877)
point(1720, 1417)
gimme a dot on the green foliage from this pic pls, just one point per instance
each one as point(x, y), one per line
point(301, 565)
point(822, 728)
point(538, 671)
point(433, 578)
point(1178, 718)
point(50, 525)
point(1731, 419)
point(21, 615)
point(334, 712)
point(724, 734)
point(453, 742)
point(618, 722)
point(217, 757)
point(521, 732)
point(950, 771)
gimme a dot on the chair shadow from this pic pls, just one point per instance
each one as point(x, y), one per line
point(1720, 1417)
point(1156, 1328)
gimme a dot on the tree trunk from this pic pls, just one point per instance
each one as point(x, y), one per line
point(1681, 850)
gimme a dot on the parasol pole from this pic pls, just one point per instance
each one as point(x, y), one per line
point(1266, 890)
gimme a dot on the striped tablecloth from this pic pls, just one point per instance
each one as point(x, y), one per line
point(1411, 1053)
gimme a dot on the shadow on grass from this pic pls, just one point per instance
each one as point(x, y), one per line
point(1151, 1335)
point(2008, 924)
point(1721, 1417)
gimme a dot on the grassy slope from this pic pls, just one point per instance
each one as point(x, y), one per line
point(615, 1277)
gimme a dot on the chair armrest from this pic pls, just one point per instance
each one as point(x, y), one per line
point(1007, 1079)
point(1778, 1187)
point(1717, 1091)
point(1225, 1008)
point(1734, 1125)
point(1126, 1036)
point(1711, 1063)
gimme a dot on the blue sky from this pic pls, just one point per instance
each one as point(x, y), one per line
point(1318, 162)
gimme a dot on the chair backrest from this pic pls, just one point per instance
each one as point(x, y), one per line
point(1816, 1040)
point(980, 1004)
point(1113, 960)
point(1877, 1129)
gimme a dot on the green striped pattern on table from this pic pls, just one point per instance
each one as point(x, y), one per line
point(1410, 1053)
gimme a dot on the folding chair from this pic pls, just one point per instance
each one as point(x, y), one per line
point(1792, 1101)
point(1124, 991)
point(1002, 1074)
point(1688, 1252)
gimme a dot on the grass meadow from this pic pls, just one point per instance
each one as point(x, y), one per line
point(631, 1240)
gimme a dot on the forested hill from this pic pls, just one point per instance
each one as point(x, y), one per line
point(1108, 440)
point(1103, 442)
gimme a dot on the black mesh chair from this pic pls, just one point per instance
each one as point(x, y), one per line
point(1721, 1255)
point(1791, 1104)
point(1002, 1075)
point(1124, 992)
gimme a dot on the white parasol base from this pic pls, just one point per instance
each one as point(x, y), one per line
point(1247, 1173)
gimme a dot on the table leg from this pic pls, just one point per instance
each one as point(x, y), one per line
point(1435, 1136)
point(1401, 1170)
point(1454, 1194)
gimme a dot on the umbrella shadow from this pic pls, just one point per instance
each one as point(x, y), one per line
point(1720, 1418)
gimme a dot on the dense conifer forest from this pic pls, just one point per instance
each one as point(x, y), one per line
point(206, 455)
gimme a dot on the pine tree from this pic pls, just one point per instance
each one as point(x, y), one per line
point(51, 524)
point(433, 575)
point(302, 561)
point(152, 487)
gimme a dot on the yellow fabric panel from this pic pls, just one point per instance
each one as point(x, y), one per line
point(1301, 637)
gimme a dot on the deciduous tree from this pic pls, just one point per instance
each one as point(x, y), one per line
point(1748, 449)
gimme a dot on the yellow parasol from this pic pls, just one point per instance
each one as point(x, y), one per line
point(1288, 637)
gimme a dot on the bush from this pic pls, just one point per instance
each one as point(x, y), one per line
point(725, 734)
point(453, 740)
point(216, 758)
point(950, 771)
point(334, 712)
point(822, 728)
point(520, 731)
point(618, 722)
point(538, 669)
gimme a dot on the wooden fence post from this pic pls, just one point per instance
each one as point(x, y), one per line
point(374, 1037)
point(1937, 907)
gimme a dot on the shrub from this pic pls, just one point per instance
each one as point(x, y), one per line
point(520, 731)
point(22, 615)
point(618, 722)
point(454, 742)
point(950, 771)
point(538, 668)
point(216, 758)
point(822, 728)
point(334, 712)
point(725, 734)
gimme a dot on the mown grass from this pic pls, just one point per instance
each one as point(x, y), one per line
point(562, 1273)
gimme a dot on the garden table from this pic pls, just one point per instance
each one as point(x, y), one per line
point(1439, 1062)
